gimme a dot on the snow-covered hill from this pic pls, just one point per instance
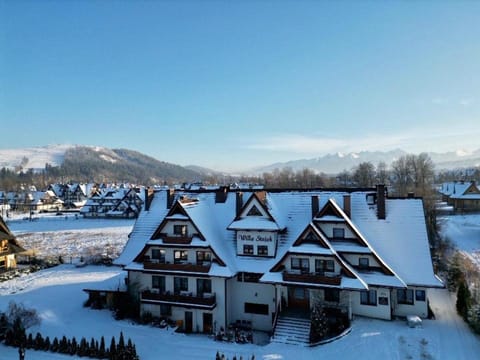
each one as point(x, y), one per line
point(33, 158)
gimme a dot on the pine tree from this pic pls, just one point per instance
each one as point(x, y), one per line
point(29, 344)
point(319, 325)
point(113, 349)
point(46, 344)
point(55, 345)
point(101, 350)
point(121, 343)
point(38, 342)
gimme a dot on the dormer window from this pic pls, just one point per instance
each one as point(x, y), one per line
point(180, 230)
point(363, 263)
point(254, 211)
point(338, 233)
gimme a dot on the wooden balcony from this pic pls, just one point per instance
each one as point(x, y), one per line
point(184, 298)
point(187, 267)
point(312, 278)
point(177, 239)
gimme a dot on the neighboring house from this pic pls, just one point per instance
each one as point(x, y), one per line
point(113, 203)
point(74, 196)
point(209, 259)
point(463, 196)
point(41, 201)
point(9, 247)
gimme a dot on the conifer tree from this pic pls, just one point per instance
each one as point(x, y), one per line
point(101, 349)
point(113, 349)
point(46, 344)
point(55, 345)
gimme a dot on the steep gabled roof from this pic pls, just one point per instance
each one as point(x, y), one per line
point(255, 215)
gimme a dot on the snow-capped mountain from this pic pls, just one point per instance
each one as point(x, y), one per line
point(337, 162)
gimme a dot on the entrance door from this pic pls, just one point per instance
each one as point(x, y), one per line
point(188, 321)
point(298, 298)
point(207, 323)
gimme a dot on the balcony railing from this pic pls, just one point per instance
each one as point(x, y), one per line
point(207, 299)
point(188, 267)
point(177, 239)
point(312, 278)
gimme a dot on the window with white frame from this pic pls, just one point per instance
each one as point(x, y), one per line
point(300, 264)
point(368, 297)
point(180, 230)
point(158, 255)
point(180, 256)
point(405, 296)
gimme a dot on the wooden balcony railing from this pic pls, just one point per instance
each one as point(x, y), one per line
point(188, 267)
point(182, 298)
point(312, 278)
point(177, 239)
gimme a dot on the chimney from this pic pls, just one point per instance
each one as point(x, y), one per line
point(411, 195)
point(221, 194)
point(381, 201)
point(238, 203)
point(315, 205)
point(148, 198)
point(170, 197)
point(347, 205)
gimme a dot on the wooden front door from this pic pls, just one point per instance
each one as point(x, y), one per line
point(298, 298)
point(207, 323)
point(188, 321)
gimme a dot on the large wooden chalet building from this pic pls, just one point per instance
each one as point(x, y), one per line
point(9, 248)
point(211, 258)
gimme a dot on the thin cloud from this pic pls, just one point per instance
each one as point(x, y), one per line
point(413, 140)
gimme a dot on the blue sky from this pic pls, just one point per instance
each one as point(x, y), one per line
point(230, 85)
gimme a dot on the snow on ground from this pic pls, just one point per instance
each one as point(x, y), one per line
point(57, 295)
point(464, 232)
point(70, 236)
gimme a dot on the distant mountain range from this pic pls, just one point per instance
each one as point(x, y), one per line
point(335, 163)
point(103, 164)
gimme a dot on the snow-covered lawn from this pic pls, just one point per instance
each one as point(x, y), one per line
point(464, 232)
point(57, 295)
point(71, 236)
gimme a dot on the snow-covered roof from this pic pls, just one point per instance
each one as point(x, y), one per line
point(399, 241)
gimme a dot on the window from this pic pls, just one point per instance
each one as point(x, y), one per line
point(180, 284)
point(302, 264)
point(262, 250)
point(322, 266)
point(254, 211)
point(180, 230)
point(363, 263)
point(204, 286)
point(338, 233)
point(180, 256)
point(405, 296)
point(368, 297)
point(332, 295)
point(158, 255)
point(420, 295)
point(248, 249)
point(158, 282)
point(383, 300)
point(204, 258)
point(165, 310)
point(252, 308)
point(251, 277)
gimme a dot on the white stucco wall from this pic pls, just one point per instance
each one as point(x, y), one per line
point(376, 311)
point(241, 292)
point(419, 308)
